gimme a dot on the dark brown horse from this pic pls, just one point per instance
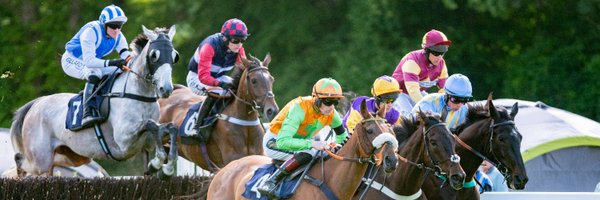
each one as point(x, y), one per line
point(427, 150)
point(238, 132)
point(489, 133)
point(342, 177)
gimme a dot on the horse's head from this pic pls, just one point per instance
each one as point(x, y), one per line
point(505, 145)
point(159, 56)
point(439, 146)
point(375, 138)
point(256, 86)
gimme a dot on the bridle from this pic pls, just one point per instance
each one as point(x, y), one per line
point(374, 156)
point(252, 104)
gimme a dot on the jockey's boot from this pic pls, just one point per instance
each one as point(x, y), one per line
point(202, 130)
point(268, 187)
point(88, 118)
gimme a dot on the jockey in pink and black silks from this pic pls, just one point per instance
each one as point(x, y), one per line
point(385, 91)
point(422, 69)
point(212, 63)
point(215, 57)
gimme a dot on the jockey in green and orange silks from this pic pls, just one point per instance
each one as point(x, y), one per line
point(292, 132)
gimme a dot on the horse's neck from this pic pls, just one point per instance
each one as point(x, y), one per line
point(407, 179)
point(475, 136)
point(241, 109)
point(129, 82)
point(343, 177)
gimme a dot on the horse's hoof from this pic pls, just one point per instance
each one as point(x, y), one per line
point(152, 169)
point(163, 176)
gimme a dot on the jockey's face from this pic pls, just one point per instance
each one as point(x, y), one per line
point(327, 106)
point(435, 57)
point(113, 30)
point(235, 44)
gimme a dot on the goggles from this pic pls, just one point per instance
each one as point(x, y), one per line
point(237, 40)
point(458, 100)
point(329, 102)
point(114, 25)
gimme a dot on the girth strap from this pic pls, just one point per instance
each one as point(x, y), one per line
point(237, 121)
point(132, 96)
point(319, 183)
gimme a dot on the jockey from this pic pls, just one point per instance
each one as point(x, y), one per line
point(422, 69)
point(84, 52)
point(213, 60)
point(290, 137)
point(385, 90)
point(452, 105)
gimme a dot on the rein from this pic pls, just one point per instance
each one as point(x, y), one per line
point(363, 156)
point(253, 105)
point(480, 155)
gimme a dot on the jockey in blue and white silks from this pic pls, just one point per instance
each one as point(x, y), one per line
point(84, 52)
point(452, 104)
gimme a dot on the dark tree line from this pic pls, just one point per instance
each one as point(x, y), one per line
point(543, 50)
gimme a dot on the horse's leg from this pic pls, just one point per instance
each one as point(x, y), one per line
point(156, 163)
point(169, 168)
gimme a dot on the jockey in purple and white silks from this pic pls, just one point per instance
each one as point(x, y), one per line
point(452, 105)
point(422, 69)
point(84, 52)
point(385, 90)
point(212, 62)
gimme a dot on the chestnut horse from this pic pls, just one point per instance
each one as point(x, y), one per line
point(230, 139)
point(428, 150)
point(489, 133)
point(340, 176)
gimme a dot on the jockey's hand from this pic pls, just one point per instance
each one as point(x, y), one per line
point(225, 82)
point(118, 63)
point(320, 145)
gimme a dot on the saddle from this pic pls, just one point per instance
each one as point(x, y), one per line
point(97, 102)
point(186, 128)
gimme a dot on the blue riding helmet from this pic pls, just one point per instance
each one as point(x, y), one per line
point(458, 85)
point(112, 13)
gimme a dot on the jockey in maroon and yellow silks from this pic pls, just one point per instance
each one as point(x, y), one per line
point(416, 74)
point(299, 121)
point(422, 69)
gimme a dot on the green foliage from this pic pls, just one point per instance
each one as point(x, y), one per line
point(543, 50)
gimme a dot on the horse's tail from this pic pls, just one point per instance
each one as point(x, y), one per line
point(17, 126)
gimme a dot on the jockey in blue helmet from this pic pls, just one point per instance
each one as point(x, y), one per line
point(452, 104)
point(84, 53)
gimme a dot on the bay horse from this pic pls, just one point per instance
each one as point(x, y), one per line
point(427, 149)
point(373, 136)
point(41, 140)
point(488, 133)
point(230, 138)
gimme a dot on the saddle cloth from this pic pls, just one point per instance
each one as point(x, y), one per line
point(262, 174)
point(96, 102)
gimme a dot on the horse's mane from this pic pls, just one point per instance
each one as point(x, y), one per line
point(139, 42)
point(405, 129)
point(239, 68)
point(477, 111)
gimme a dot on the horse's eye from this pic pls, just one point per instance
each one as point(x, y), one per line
point(369, 130)
point(501, 138)
point(154, 55)
point(254, 81)
point(175, 56)
point(433, 142)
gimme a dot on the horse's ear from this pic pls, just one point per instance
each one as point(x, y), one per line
point(150, 34)
point(490, 95)
point(421, 117)
point(381, 112)
point(364, 111)
point(245, 63)
point(514, 110)
point(267, 60)
point(172, 31)
point(492, 109)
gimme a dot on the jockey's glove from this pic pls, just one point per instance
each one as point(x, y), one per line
point(118, 63)
point(225, 82)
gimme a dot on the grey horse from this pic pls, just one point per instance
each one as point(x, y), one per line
point(41, 140)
